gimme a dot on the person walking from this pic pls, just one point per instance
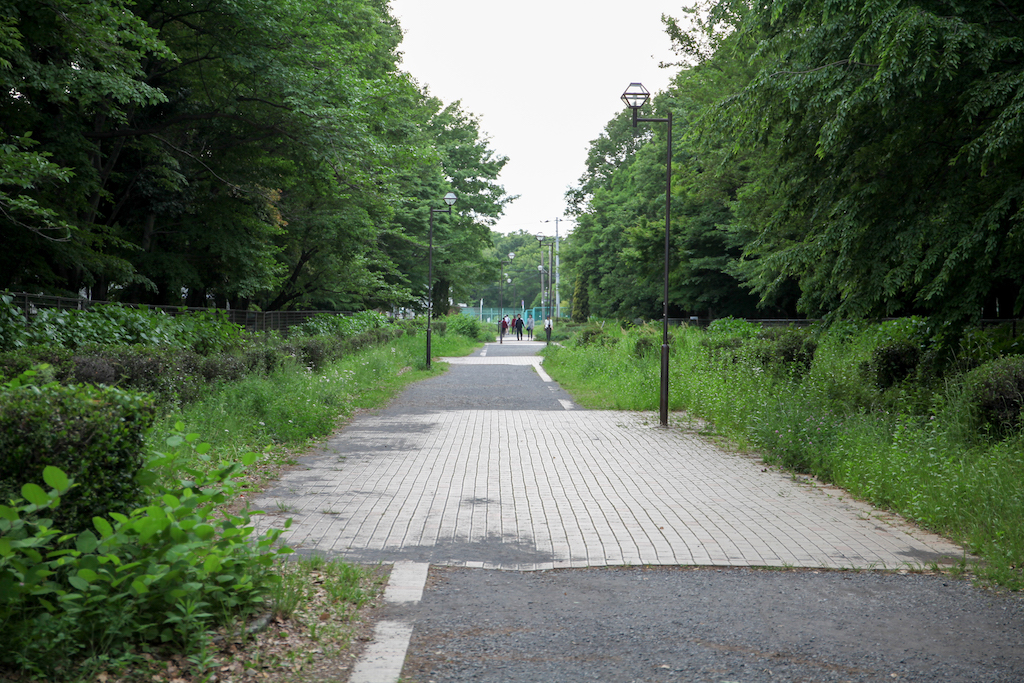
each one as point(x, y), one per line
point(529, 327)
point(519, 327)
point(548, 325)
point(504, 329)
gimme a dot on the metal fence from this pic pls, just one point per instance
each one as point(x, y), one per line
point(254, 321)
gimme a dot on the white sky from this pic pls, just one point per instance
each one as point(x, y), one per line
point(543, 76)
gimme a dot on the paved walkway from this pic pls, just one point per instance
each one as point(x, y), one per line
point(492, 465)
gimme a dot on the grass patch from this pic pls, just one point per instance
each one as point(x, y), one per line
point(293, 406)
point(908, 445)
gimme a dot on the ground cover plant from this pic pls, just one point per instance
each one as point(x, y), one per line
point(164, 585)
point(891, 412)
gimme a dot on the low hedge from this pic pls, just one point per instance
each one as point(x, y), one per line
point(995, 393)
point(95, 434)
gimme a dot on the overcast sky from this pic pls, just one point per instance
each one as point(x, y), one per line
point(544, 77)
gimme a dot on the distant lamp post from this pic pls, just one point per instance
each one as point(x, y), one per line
point(635, 97)
point(544, 242)
point(449, 199)
point(501, 301)
point(541, 271)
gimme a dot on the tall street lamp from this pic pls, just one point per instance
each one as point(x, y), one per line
point(543, 242)
point(501, 301)
point(541, 271)
point(635, 97)
point(558, 281)
point(449, 199)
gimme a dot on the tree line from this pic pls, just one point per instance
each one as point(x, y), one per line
point(243, 152)
point(831, 158)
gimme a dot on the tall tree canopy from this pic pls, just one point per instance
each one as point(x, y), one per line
point(897, 131)
point(842, 158)
point(237, 150)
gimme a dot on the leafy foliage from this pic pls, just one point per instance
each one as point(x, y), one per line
point(164, 573)
point(246, 151)
point(95, 434)
point(202, 332)
point(995, 392)
point(895, 127)
point(466, 326)
point(843, 159)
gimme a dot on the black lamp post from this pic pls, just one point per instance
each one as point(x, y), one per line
point(449, 199)
point(501, 301)
point(635, 97)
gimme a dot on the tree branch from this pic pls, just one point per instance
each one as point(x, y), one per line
point(842, 62)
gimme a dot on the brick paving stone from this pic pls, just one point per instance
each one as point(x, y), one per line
point(541, 489)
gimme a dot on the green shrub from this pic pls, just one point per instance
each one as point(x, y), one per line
point(59, 361)
point(204, 332)
point(645, 346)
point(96, 434)
point(589, 335)
point(262, 358)
point(207, 332)
point(165, 573)
point(222, 367)
point(995, 394)
point(341, 325)
point(893, 362)
point(94, 369)
point(733, 328)
point(464, 325)
point(173, 375)
point(13, 326)
point(787, 350)
point(726, 336)
point(315, 351)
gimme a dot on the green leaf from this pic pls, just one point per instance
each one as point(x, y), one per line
point(56, 478)
point(88, 574)
point(87, 541)
point(212, 564)
point(103, 526)
point(34, 494)
point(79, 583)
point(204, 531)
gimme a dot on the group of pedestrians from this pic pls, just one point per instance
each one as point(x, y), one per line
point(517, 324)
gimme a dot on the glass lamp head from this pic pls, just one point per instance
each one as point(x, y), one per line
point(636, 96)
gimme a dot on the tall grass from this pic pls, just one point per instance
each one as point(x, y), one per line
point(294, 405)
point(909, 448)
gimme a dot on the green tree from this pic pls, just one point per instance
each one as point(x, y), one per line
point(896, 131)
point(580, 302)
point(67, 69)
point(248, 151)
